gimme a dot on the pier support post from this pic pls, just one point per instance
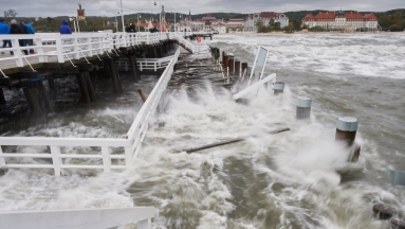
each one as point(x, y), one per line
point(37, 98)
point(303, 108)
point(244, 68)
point(86, 86)
point(2, 98)
point(155, 52)
point(231, 63)
point(237, 67)
point(51, 86)
point(162, 50)
point(134, 67)
point(112, 70)
point(224, 60)
point(346, 129)
point(278, 87)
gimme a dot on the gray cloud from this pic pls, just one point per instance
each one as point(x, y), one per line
point(43, 8)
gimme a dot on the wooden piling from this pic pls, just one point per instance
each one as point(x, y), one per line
point(112, 71)
point(224, 60)
point(231, 63)
point(303, 108)
point(2, 98)
point(237, 67)
point(134, 67)
point(244, 67)
point(36, 98)
point(155, 52)
point(142, 95)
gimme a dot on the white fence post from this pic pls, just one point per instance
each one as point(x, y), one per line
point(145, 224)
point(59, 49)
point(57, 161)
point(2, 160)
point(106, 158)
point(128, 156)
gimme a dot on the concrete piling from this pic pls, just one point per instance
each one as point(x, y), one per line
point(142, 95)
point(51, 86)
point(303, 108)
point(346, 129)
point(278, 88)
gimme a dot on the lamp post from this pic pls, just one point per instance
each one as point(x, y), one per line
point(74, 23)
point(139, 17)
point(122, 16)
point(116, 22)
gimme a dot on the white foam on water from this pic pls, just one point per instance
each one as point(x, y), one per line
point(380, 55)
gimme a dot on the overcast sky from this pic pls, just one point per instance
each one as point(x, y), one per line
point(52, 8)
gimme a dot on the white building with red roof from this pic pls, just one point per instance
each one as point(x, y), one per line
point(342, 21)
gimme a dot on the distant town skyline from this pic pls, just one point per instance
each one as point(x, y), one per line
point(53, 8)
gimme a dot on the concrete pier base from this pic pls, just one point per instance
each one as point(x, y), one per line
point(346, 129)
point(278, 87)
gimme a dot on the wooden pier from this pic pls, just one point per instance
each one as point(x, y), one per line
point(83, 55)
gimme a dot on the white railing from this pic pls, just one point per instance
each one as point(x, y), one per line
point(154, 63)
point(79, 219)
point(55, 47)
point(138, 128)
point(56, 153)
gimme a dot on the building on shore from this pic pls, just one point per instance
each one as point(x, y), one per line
point(342, 21)
point(267, 19)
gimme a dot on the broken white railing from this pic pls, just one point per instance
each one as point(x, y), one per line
point(153, 63)
point(79, 219)
point(99, 153)
point(138, 128)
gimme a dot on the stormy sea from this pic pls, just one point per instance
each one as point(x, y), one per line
point(296, 179)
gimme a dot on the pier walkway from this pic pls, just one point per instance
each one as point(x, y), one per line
point(61, 48)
